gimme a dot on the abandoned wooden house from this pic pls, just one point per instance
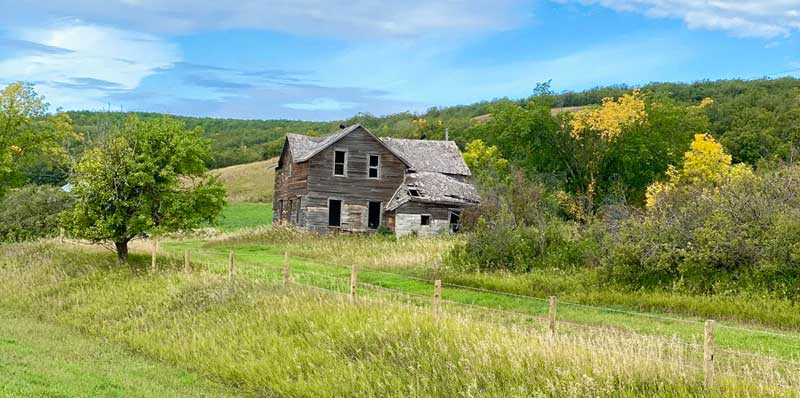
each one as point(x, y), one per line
point(353, 181)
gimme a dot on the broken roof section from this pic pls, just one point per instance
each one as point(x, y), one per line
point(431, 187)
point(434, 156)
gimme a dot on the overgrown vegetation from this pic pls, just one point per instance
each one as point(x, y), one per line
point(269, 341)
point(709, 226)
point(32, 212)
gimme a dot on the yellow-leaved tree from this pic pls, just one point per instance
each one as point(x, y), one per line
point(705, 165)
point(594, 129)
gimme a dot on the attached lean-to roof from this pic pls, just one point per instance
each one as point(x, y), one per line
point(431, 187)
point(434, 156)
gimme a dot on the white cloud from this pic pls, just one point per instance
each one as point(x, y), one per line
point(99, 59)
point(749, 18)
point(339, 18)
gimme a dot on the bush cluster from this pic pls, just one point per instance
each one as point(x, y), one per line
point(743, 234)
point(740, 235)
point(32, 212)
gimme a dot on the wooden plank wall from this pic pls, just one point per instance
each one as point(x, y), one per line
point(355, 189)
point(290, 187)
point(408, 217)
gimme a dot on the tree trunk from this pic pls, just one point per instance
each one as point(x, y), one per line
point(122, 251)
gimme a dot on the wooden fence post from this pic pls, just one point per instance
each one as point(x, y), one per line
point(231, 264)
point(708, 354)
point(61, 235)
point(437, 299)
point(353, 284)
point(154, 254)
point(187, 262)
point(552, 316)
point(285, 269)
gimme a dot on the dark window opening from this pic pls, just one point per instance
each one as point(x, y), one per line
point(339, 163)
point(374, 166)
point(413, 192)
point(297, 217)
point(455, 220)
point(334, 213)
point(374, 219)
point(425, 220)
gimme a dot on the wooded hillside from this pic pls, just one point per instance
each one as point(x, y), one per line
point(754, 119)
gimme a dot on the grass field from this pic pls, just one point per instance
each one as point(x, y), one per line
point(75, 322)
point(40, 359)
point(407, 265)
point(264, 340)
point(236, 216)
point(251, 182)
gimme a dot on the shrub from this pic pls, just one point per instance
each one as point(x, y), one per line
point(32, 212)
point(743, 234)
point(500, 243)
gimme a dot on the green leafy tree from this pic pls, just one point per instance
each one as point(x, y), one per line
point(485, 161)
point(28, 135)
point(149, 176)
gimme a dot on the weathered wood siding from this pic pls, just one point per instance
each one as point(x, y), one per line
point(290, 187)
point(409, 217)
point(355, 189)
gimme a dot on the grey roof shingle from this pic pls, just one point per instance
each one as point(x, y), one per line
point(434, 187)
point(434, 156)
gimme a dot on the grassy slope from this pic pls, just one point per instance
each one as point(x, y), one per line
point(251, 182)
point(271, 341)
point(39, 359)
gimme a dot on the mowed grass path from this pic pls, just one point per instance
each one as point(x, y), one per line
point(39, 359)
point(236, 216)
point(262, 260)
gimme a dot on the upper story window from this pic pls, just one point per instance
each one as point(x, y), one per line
point(374, 166)
point(339, 163)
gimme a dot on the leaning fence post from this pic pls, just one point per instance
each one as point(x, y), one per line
point(552, 316)
point(187, 262)
point(231, 264)
point(353, 284)
point(154, 254)
point(437, 299)
point(708, 354)
point(285, 269)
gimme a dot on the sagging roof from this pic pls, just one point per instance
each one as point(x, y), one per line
point(431, 187)
point(418, 155)
point(304, 147)
point(433, 156)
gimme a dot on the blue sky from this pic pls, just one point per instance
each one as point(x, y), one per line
point(326, 60)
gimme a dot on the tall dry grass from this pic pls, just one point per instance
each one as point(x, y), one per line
point(271, 341)
point(251, 182)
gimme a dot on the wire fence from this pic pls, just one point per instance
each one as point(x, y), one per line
point(689, 355)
